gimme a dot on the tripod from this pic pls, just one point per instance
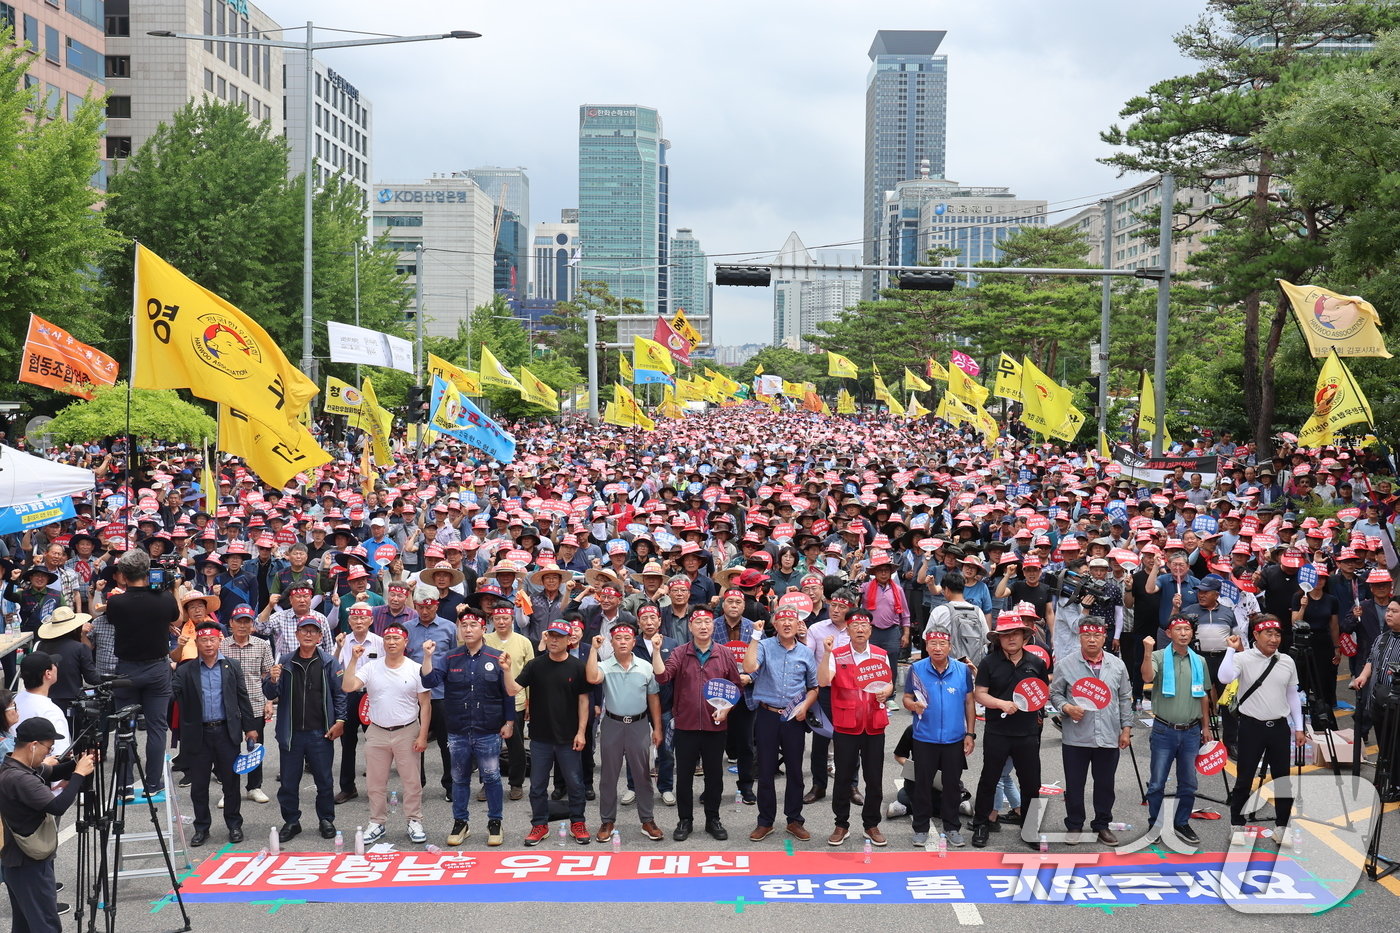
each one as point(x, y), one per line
point(106, 813)
point(1379, 866)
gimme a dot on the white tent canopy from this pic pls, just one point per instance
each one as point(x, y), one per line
point(25, 479)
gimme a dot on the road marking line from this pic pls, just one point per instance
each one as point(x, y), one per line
point(968, 915)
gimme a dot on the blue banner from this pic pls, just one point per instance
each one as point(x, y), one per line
point(454, 414)
point(641, 377)
point(20, 518)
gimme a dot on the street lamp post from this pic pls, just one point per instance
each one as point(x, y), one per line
point(308, 46)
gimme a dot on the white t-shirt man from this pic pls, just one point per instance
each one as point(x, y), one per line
point(393, 691)
point(36, 704)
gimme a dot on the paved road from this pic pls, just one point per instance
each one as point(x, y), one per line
point(1372, 907)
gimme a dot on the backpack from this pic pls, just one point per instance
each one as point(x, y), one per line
point(967, 630)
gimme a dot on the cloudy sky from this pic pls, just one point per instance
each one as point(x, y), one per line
point(763, 101)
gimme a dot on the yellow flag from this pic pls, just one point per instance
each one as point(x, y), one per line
point(367, 471)
point(612, 415)
point(1047, 403)
point(378, 422)
point(794, 390)
point(681, 325)
point(882, 393)
point(912, 381)
point(1147, 410)
point(845, 403)
point(670, 406)
point(1068, 428)
point(894, 405)
point(466, 381)
point(985, 423)
point(729, 386)
point(536, 391)
point(342, 398)
point(1008, 384)
point(1104, 449)
point(961, 385)
point(648, 354)
point(826, 409)
point(838, 365)
point(689, 391)
point(274, 460)
point(936, 370)
point(1337, 402)
point(915, 409)
point(209, 485)
point(1347, 324)
point(187, 337)
point(758, 370)
point(494, 374)
point(628, 408)
point(624, 369)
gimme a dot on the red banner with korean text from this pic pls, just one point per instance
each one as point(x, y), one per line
point(52, 358)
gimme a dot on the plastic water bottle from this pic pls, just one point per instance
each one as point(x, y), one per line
point(189, 821)
point(274, 843)
point(339, 842)
point(433, 849)
point(1044, 847)
point(616, 841)
point(1120, 827)
point(1296, 836)
point(360, 841)
point(1309, 754)
point(738, 801)
point(563, 833)
point(393, 801)
point(942, 845)
point(260, 857)
point(866, 860)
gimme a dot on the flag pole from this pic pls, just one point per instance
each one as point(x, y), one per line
point(131, 378)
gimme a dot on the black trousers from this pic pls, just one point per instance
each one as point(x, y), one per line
point(708, 748)
point(738, 743)
point(1130, 650)
point(1080, 762)
point(587, 763)
point(1024, 752)
point(437, 729)
point(255, 777)
point(1326, 687)
point(215, 755)
point(821, 745)
point(33, 896)
point(350, 740)
point(778, 740)
point(1271, 742)
point(869, 752)
point(946, 759)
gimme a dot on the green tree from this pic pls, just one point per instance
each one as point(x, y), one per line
point(209, 193)
point(568, 336)
point(1204, 127)
point(155, 414)
point(51, 235)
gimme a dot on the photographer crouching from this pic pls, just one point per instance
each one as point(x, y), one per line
point(142, 617)
point(27, 808)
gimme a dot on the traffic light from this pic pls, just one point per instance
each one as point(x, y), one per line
point(743, 275)
point(417, 403)
point(925, 280)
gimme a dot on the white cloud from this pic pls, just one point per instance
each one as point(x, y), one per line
point(763, 101)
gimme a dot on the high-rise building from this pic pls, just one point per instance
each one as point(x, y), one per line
point(69, 53)
point(906, 112)
point(151, 77)
point(690, 279)
point(452, 218)
point(805, 298)
point(510, 189)
point(974, 221)
point(622, 213)
point(555, 273)
point(343, 121)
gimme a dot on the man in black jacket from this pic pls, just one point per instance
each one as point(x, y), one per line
point(26, 801)
point(215, 713)
point(310, 718)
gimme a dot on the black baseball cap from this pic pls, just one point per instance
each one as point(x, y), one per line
point(35, 729)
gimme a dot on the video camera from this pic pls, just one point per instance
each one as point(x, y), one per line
point(95, 712)
point(164, 575)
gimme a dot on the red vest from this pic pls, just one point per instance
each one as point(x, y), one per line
point(853, 711)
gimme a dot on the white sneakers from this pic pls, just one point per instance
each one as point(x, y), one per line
point(374, 833)
point(416, 833)
point(628, 796)
point(668, 798)
point(257, 796)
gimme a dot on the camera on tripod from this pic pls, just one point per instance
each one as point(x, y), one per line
point(95, 713)
point(165, 573)
point(1391, 697)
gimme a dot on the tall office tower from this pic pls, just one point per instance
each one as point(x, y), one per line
point(906, 113)
point(690, 280)
point(68, 62)
point(622, 215)
point(555, 271)
point(344, 122)
point(510, 189)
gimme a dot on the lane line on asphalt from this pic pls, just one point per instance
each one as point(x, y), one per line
point(968, 915)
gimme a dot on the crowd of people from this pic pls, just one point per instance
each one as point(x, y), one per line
point(559, 625)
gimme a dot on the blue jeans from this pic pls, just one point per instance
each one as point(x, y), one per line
point(543, 756)
point(1171, 747)
point(307, 747)
point(482, 751)
point(1008, 792)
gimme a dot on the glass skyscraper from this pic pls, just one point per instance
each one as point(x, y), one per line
point(690, 278)
point(906, 112)
point(622, 207)
point(510, 189)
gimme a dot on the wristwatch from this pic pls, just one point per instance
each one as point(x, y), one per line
point(970, 735)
